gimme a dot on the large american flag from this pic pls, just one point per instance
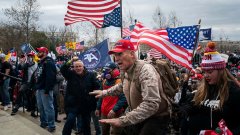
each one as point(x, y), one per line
point(137, 32)
point(101, 13)
point(175, 43)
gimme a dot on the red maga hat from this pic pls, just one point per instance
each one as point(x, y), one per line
point(42, 49)
point(121, 46)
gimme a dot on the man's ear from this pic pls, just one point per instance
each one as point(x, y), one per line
point(132, 53)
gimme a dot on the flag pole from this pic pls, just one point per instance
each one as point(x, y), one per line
point(96, 36)
point(29, 45)
point(121, 18)
point(196, 41)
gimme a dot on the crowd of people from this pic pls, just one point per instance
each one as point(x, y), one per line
point(125, 97)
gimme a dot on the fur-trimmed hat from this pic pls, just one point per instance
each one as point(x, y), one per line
point(212, 59)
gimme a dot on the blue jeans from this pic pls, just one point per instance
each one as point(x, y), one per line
point(46, 109)
point(5, 92)
point(83, 119)
point(95, 122)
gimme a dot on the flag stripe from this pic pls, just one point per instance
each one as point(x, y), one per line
point(92, 6)
point(126, 32)
point(154, 53)
point(137, 32)
point(166, 44)
point(160, 47)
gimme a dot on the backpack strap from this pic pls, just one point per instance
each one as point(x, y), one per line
point(138, 67)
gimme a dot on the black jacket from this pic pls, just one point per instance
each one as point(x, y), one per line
point(200, 117)
point(77, 98)
point(46, 75)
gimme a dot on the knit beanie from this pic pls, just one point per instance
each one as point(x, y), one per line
point(212, 59)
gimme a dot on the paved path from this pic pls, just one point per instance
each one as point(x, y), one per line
point(24, 124)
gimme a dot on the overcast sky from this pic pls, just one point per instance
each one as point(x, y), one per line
point(223, 16)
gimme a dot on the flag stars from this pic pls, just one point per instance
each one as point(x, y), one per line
point(183, 36)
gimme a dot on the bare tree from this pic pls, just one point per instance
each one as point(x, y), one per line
point(67, 34)
point(173, 20)
point(223, 36)
point(62, 36)
point(158, 18)
point(91, 34)
point(10, 36)
point(25, 14)
point(129, 19)
point(52, 35)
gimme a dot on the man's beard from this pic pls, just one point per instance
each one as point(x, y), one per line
point(40, 56)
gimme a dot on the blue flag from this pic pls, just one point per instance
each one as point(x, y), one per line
point(205, 34)
point(25, 48)
point(96, 57)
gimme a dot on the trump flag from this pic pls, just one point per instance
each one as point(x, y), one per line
point(96, 57)
point(205, 34)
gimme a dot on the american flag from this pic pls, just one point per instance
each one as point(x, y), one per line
point(80, 45)
point(101, 13)
point(222, 130)
point(61, 49)
point(126, 32)
point(175, 43)
point(154, 53)
point(137, 32)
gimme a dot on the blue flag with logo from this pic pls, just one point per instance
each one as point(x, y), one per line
point(96, 57)
point(205, 34)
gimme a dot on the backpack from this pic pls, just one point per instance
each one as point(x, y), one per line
point(167, 76)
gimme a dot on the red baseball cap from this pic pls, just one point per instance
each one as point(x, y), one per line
point(42, 49)
point(121, 46)
point(31, 53)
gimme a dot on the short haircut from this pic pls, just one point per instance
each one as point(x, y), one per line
point(78, 61)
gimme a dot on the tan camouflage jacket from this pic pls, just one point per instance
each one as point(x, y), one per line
point(144, 98)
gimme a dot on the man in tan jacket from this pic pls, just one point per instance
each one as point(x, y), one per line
point(142, 86)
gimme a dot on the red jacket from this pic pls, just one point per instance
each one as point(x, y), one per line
point(109, 102)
